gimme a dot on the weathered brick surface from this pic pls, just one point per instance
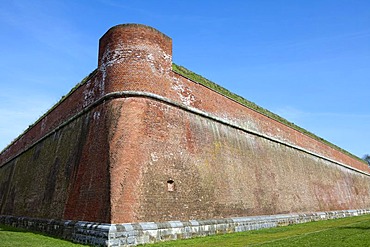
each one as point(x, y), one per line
point(63, 176)
point(138, 142)
point(220, 171)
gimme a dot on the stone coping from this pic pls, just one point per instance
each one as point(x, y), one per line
point(131, 234)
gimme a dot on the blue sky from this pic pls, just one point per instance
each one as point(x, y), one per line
point(308, 61)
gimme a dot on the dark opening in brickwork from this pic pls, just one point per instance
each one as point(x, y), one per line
point(170, 185)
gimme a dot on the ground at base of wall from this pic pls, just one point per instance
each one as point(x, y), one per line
point(150, 232)
point(13, 236)
point(349, 232)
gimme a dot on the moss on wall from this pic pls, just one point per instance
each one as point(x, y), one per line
point(37, 181)
point(219, 171)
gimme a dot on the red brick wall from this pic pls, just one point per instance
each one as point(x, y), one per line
point(64, 176)
point(212, 102)
point(129, 68)
point(219, 171)
point(112, 162)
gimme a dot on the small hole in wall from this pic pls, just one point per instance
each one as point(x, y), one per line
point(170, 185)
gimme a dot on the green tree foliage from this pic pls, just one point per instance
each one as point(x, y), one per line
point(367, 158)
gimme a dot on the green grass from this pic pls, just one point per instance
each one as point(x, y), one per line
point(352, 231)
point(10, 236)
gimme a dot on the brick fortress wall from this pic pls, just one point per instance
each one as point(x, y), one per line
point(139, 142)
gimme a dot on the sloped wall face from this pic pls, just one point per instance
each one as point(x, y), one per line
point(60, 176)
point(191, 167)
point(138, 142)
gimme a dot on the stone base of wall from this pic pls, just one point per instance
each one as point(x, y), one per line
point(131, 234)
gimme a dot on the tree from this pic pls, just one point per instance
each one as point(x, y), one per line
point(367, 158)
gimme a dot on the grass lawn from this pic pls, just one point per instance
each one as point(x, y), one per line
point(10, 236)
point(352, 231)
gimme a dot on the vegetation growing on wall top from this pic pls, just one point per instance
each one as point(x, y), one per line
point(223, 91)
point(209, 84)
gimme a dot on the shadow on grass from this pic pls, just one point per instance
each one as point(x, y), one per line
point(15, 230)
point(5, 228)
point(364, 228)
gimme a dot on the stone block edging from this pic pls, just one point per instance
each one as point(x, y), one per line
point(131, 234)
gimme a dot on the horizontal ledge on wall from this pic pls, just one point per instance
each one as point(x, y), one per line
point(130, 234)
point(128, 94)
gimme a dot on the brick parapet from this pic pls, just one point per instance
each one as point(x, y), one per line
point(210, 101)
point(128, 73)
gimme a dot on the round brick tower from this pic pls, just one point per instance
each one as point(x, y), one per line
point(134, 56)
